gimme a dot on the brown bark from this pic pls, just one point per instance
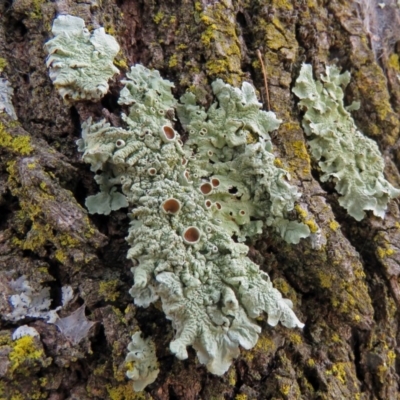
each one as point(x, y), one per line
point(347, 291)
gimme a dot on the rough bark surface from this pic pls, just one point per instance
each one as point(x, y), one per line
point(347, 291)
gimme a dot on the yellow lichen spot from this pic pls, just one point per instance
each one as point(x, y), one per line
point(302, 213)
point(19, 144)
point(333, 225)
point(282, 4)
point(311, 362)
point(264, 344)
point(110, 30)
point(282, 286)
point(68, 241)
point(31, 166)
point(197, 6)
point(36, 8)
point(248, 355)
point(158, 17)
point(300, 151)
point(384, 252)
point(43, 381)
point(356, 318)
point(60, 256)
point(232, 377)
point(3, 64)
point(391, 357)
point(121, 63)
point(173, 61)
point(295, 338)
point(284, 389)
point(124, 392)
point(241, 396)
point(312, 225)
point(108, 289)
point(278, 163)
point(275, 39)
point(181, 46)
point(394, 62)
point(208, 34)
point(335, 338)
point(100, 370)
point(359, 273)
point(325, 279)
point(24, 350)
point(339, 371)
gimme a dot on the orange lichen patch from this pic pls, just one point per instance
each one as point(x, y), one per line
point(152, 171)
point(215, 182)
point(171, 206)
point(218, 205)
point(242, 212)
point(191, 235)
point(208, 203)
point(206, 188)
point(167, 133)
point(184, 161)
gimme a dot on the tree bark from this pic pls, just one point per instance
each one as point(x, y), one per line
point(346, 290)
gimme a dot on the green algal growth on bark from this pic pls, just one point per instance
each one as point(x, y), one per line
point(80, 62)
point(343, 153)
point(181, 224)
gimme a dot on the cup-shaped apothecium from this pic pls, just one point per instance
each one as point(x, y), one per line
point(206, 188)
point(171, 206)
point(167, 134)
point(191, 235)
point(215, 182)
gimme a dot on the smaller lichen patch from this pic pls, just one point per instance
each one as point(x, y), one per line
point(80, 63)
point(19, 144)
point(109, 290)
point(25, 351)
point(344, 154)
point(142, 361)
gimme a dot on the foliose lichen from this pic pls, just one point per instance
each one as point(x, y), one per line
point(233, 165)
point(143, 362)
point(343, 153)
point(6, 93)
point(26, 302)
point(24, 330)
point(80, 62)
point(188, 205)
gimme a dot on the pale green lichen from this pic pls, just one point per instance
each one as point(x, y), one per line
point(343, 153)
point(142, 362)
point(182, 246)
point(6, 93)
point(80, 62)
point(250, 189)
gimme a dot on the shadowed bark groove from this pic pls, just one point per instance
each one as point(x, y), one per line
point(346, 290)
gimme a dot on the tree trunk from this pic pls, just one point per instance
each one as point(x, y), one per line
point(346, 290)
